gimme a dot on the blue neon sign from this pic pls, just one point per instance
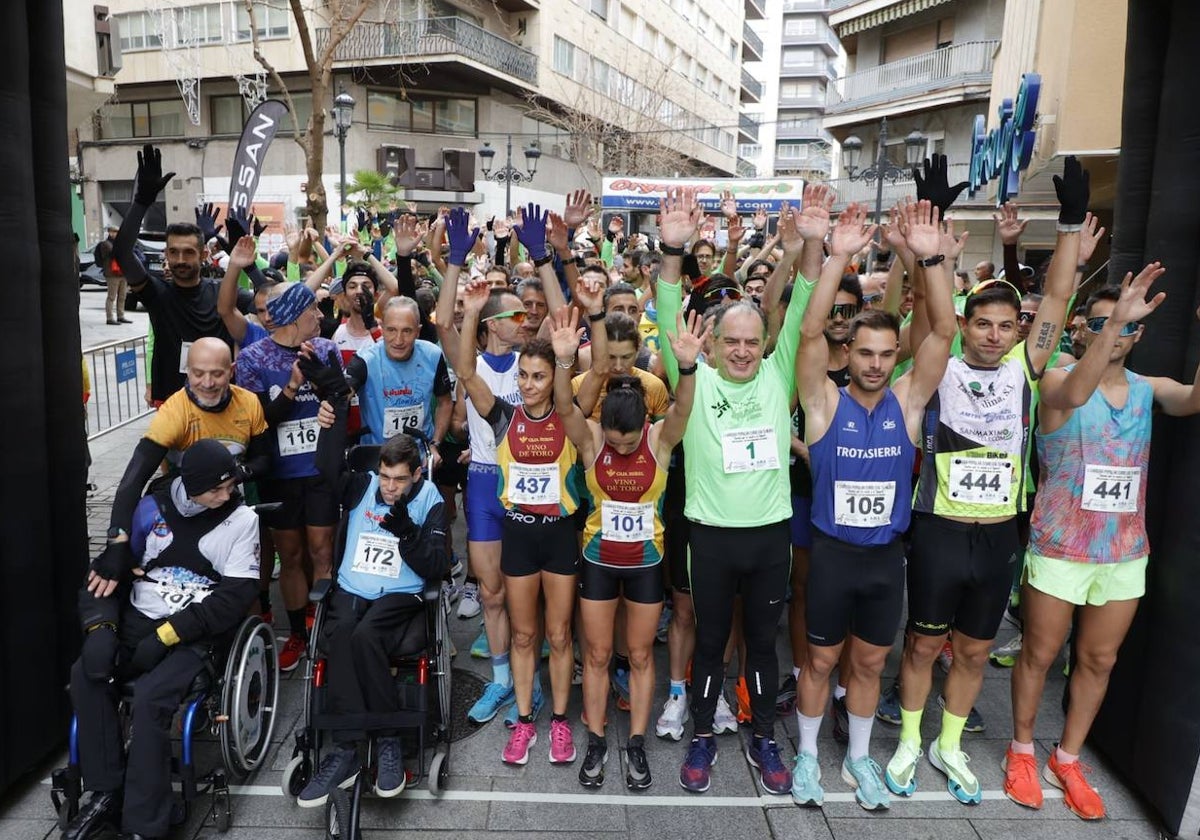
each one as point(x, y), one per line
point(1004, 152)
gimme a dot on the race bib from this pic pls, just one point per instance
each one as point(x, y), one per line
point(377, 554)
point(981, 481)
point(297, 437)
point(403, 420)
point(533, 484)
point(178, 596)
point(626, 522)
point(1111, 489)
point(863, 504)
point(183, 353)
point(747, 450)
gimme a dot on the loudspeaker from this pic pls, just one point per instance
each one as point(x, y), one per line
point(398, 163)
point(429, 179)
point(459, 165)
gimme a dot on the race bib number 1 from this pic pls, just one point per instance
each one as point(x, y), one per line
point(533, 484)
point(377, 554)
point(1111, 489)
point(747, 450)
point(297, 437)
point(981, 481)
point(863, 504)
point(626, 522)
point(402, 420)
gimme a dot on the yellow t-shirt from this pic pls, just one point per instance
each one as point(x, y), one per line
point(179, 422)
point(657, 398)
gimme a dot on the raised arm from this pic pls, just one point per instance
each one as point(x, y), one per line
point(531, 233)
point(241, 256)
point(733, 224)
point(1176, 398)
point(925, 240)
point(474, 297)
point(565, 333)
point(1010, 227)
point(148, 183)
point(589, 295)
point(462, 238)
point(686, 343)
point(679, 214)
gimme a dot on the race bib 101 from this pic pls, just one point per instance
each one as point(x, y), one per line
point(626, 522)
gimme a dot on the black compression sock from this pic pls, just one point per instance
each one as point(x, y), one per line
point(296, 622)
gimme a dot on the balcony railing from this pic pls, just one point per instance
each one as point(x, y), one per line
point(802, 130)
point(805, 6)
point(823, 37)
point(822, 69)
point(815, 99)
point(752, 85)
point(751, 41)
point(864, 192)
point(748, 126)
point(755, 10)
point(434, 36)
point(960, 64)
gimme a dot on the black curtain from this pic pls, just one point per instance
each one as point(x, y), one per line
point(1148, 724)
point(42, 444)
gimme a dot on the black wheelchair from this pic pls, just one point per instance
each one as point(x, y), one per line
point(421, 667)
point(235, 697)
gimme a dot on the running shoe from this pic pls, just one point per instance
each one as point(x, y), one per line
point(863, 775)
point(456, 565)
point(1005, 656)
point(276, 568)
point(339, 769)
point(785, 698)
point(901, 773)
point(696, 773)
point(619, 679)
point(960, 781)
point(763, 754)
point(591, 773)
point(743, 700)
point(495, 697)
point(888, 709)
point(452, 592)
point(723, 718)
point(1021, 783)
point(974, 722)
point(522, 737)
point(562, 745)
point(674, 716)
point(841, 720)
point(291, 653)
point(637, 768)
point(468, 604)
point(539, 700)
point(806, 781)
point(664, 624)
point(946, 657)
point(1083, 799)
point(389, 768)
point(481, 648)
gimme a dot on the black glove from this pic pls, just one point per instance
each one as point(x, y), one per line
point(148, 653)
point(326, 379)
point(115, 561)
point(238, 224)
point(206, 220)
point(935, 185)
point(257, 226)
point(99, 653)
point(397, 521)
point(149, 181)
point(361, 215)
point(366, 306)
point(1073, 189)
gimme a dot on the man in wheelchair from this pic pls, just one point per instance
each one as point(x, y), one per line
point(395, 539)
point(156, 603)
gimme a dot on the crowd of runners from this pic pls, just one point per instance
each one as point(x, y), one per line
point(816, 426)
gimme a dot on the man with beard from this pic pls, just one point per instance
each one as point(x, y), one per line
point(184, 309)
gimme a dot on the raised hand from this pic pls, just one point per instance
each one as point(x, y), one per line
point(728, 205)
point(759, 220)
point(951, 245)
point(790, 236)
point(257, 226)
point(238, 224)
point(736, 231)
point(813, 219)
point(327, 379)
point(687, 343)
point(475, 295)
point(206, 220)
point(851, 233)
point(935, 185)
point(565, 332)
point(894, 231)
point(243, 253)
point(589, 293)
point(501, 228)
point(679, 214)
point(404, 232)
point(291, 237)
point(1008, 225)
point(460, 235)
point(922, 233)
point(556, 233)
point(578, 208)
point(149, 181)
point(1089, 237)
point(1133, 306)
point(531, 232)
point(1073, 189)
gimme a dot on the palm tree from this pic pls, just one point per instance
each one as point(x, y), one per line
point(372, 189)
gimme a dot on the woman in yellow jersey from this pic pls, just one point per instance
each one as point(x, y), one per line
point(625, 457)
point(539, 552)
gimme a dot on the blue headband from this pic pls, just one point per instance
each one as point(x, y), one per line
point(290, 305)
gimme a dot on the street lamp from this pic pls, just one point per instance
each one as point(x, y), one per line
point(343, 115)
point(509, 174)
point(882, 169)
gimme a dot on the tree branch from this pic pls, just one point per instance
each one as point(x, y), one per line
point(298, 136)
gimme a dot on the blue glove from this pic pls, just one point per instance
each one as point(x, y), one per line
point(531, 232)
point(206, 220)
point(461, 238)
point(238, 223)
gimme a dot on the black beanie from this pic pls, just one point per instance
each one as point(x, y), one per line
point(204, 465)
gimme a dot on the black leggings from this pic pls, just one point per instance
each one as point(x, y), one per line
point(726, 562)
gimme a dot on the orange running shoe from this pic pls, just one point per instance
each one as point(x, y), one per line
point(1079, 796)
point(1021, 783)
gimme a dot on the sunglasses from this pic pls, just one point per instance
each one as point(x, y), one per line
point(518, 315)
point(1095, 325)
point(872, 298)
point(725, 293)
point(845, 311)
point(1026, 317)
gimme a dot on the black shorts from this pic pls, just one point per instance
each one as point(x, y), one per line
point(960, 575)
point(530, 544)
point(306, 501)
point(450, 473)
point(676, 529)
point(854, 588)
point(639, 584)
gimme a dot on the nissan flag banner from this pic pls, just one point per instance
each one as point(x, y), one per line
point(251, 151)
point(641, 195)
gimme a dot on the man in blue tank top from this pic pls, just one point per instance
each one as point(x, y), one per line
point(862, 441)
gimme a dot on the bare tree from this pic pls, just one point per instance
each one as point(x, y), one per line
point(341, 16)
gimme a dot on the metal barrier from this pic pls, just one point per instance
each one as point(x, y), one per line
point(118, 375)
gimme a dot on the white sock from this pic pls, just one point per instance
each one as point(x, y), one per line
point(839, 692)
point(808, 728)
point(860, 736)
point(795, 673)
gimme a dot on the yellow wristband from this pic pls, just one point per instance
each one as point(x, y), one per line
point(167, 635)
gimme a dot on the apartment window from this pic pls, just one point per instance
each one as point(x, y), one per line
point(649, 38)
point(800, 26)
point(797, 90)
point(455, 116)
point(600, 9)
point(702, 22)
point(600, 75)
point(272, 21)
point(138, 32)
point(421, 114)
point(627, 22)
point(228, 114)
point(799, 57)
point(918, 40)
point(202, 23)
point(157, 118)
point(564, 56)
point(733, 49)
point(388, 110)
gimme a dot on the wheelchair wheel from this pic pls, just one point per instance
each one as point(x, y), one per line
point(333, 828)
point(439, 771)
point(250, 695)
point(296, 776)
point(442, 670)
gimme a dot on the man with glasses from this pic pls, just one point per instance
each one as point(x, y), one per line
point(1025, 317)
point(971, 486)
point(756, 279)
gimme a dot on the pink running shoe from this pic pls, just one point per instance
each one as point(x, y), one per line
point(562, 747)
point(522, 737)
